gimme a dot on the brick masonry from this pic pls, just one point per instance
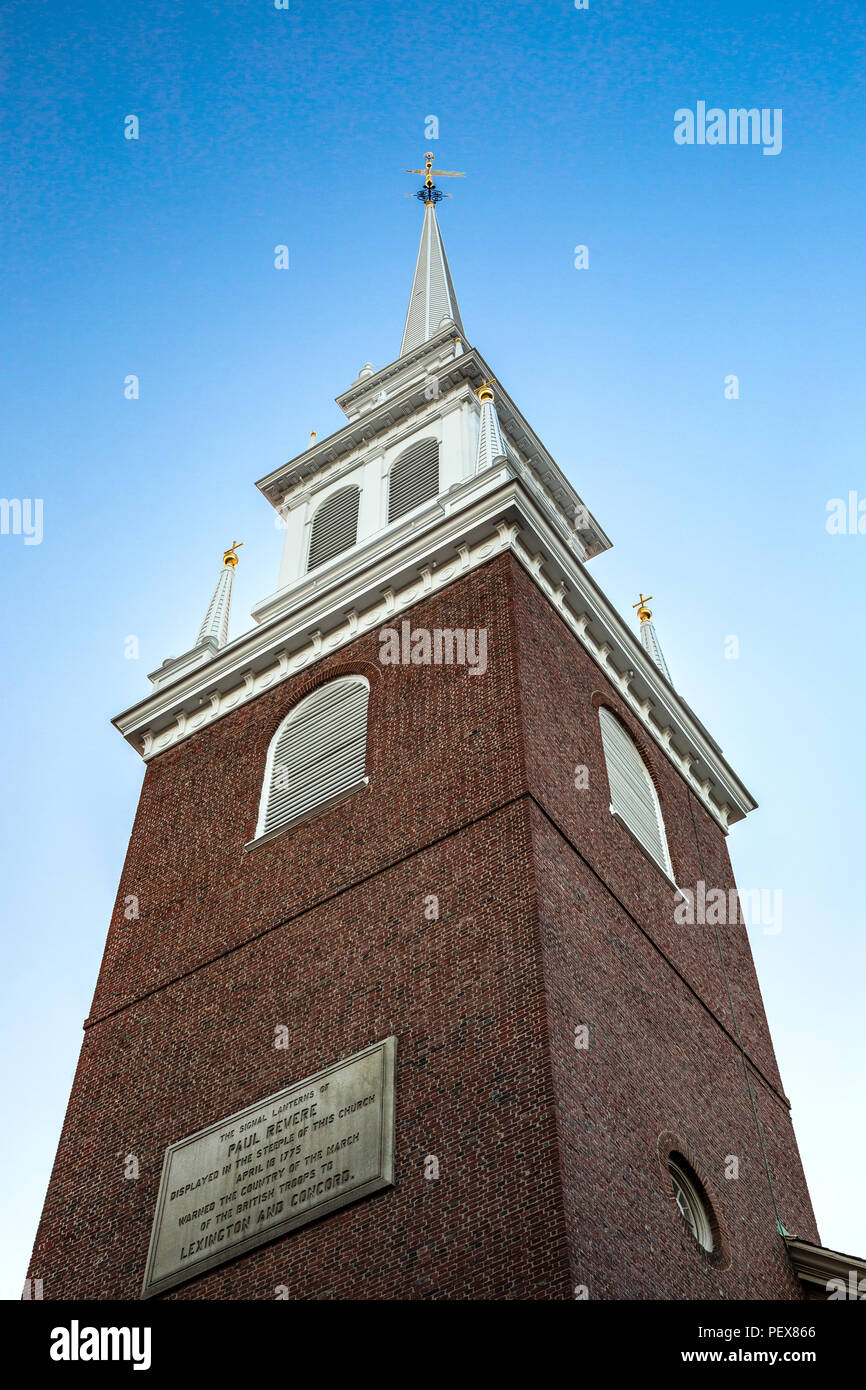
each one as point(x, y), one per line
point(552, 1160)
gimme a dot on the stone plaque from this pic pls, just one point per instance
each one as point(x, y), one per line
point(289, 1159)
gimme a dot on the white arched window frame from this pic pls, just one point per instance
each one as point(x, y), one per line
point(318, 755)
point(633, 797)
point(334, 527)
point(692, 1202)
point(414, 478)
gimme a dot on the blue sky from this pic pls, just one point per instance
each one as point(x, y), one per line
point(261, 127)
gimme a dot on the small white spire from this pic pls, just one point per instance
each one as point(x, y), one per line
point(491, 445)
point(649, 640)
point(216, 620)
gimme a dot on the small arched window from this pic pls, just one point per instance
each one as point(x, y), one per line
point(632, 793)
point(335, 526)
point(318, 754)
point(414, 478)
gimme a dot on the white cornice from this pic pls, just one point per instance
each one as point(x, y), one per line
point(817, 1265)
point(369, 387)
point(492, 514)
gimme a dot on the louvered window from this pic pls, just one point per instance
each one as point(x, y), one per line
point(318, 753)
point(335, 526)
point(632, 794)
point(414, 478)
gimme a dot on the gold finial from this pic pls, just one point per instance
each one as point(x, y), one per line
point(642, 611)
point(230, 559)
point(312, 439)
point(485, 391)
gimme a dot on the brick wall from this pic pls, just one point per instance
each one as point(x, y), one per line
point(551, 1171)
point(663, 1069)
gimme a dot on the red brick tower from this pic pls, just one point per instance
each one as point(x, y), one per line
point(397, 1000)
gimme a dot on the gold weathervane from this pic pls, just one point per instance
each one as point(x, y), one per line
point(230, 559)
point(430, 193)
point(642, 611)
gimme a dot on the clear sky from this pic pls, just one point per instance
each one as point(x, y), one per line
point(155, 257)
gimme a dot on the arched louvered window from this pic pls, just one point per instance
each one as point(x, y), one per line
point(318, 754)
point(414, 478)
point(335, 526)
point(632, 793)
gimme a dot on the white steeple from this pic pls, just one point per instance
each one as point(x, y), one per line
point(416, 490)
point(491, 446)
point(649, 640)
point(214, 631)
point(216, 620)
point(432, 298)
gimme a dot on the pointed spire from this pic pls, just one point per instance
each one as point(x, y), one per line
point(649, 640)
point(216, 620)
point(491, 445)
point(432, 298)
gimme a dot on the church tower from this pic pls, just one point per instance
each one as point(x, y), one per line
point(426, 977)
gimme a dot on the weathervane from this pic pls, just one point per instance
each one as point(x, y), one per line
point(430, 193)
